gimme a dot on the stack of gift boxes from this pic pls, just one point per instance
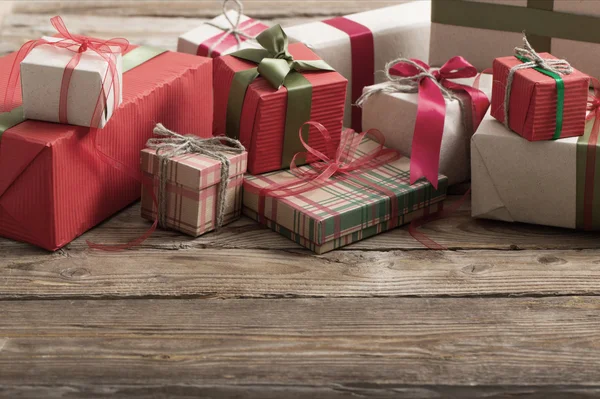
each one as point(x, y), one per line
point(336, 130)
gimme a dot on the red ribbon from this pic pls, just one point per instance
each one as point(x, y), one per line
point(593, 106)
point(78, 44)
point(431, 111)
point(344, 163)
point(362, 47)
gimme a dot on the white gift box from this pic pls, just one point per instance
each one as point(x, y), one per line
point(401, 30)
point(190, 41)
point(42, 78)
point(516, 180)
point(480, 46)
point(395, 114)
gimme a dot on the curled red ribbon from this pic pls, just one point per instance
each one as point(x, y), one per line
point(431, 111)
point(78, 44)
point(343, 162)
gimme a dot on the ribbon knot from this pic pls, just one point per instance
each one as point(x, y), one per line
point(171, 144)
point(406, 75)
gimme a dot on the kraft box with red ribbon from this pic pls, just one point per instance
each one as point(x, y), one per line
point(224, 34)
point(58, 180)
point(539, 96)
point(359, 45)
point(263, 96)
point(353, 191)
point(554, 183)
point(192, 184)
point(429, 114)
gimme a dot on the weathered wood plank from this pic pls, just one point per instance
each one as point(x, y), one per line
point(258, 8)
point(366, 347)
point(251, 273)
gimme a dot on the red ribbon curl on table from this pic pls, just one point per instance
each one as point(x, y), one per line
point(78, 44)
point(433, 86)
point(343, 162)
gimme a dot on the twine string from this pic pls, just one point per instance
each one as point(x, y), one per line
point(233, 28)
point(171, 144)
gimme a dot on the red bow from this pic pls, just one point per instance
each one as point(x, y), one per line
point(78, 44)
point(431, 110)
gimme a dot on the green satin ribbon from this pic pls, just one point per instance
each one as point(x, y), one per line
point(560, 96)
point(132, 59)
point(279, 68)
point(536, 19)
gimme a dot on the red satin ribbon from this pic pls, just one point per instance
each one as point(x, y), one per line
point(593, 107)
point(247, 27)
point(343, 163)
point(77, 44)
point(362, 47)
point(431, 112)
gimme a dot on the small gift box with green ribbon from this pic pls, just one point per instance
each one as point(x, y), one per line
point(263, 96)
point(539, 96)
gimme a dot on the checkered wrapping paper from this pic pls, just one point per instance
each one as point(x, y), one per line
point(192, 188)
point(344, 210)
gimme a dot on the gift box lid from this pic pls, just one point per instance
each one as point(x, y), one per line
point(343, 206)
point(194, 171)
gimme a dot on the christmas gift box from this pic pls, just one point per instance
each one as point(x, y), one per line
point(480, 30)
point(263, 96)
point(192, 184)
point(429, 114)
point(58, 180)
point(229, 32)
point(359, 45)
point(553, 183)
point(354, 192)
point(70, 78)
point(538, 96)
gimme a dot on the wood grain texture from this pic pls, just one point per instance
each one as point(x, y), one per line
point(202, 8)
point(365, 347)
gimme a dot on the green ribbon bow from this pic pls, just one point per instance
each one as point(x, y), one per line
point(279, 68)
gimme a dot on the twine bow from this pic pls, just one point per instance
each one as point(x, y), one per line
point(234, 26)
point(434, 87)
point(78, 44)
point(171, 144)
point(551, 67)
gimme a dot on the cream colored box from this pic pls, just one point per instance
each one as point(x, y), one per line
point(401, 30)
point(41, 81)
point(480, 46)
point(395, 114)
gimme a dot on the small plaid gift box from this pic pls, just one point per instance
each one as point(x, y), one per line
point(191, 192)
point(346, 207)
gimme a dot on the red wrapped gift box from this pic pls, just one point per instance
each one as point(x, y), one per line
point(533, 100)
point(263, 116)
point(53, 184)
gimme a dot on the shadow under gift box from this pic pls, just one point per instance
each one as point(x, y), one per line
point(262, 124)
point(53, 185)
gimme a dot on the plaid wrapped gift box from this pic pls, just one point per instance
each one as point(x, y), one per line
point(192, 186)
point(343, 210)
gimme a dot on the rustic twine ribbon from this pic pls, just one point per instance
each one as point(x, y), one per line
point(233, 28)
point(532, 60)
point(172, 144)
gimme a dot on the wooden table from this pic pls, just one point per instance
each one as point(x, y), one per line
point(510, 310)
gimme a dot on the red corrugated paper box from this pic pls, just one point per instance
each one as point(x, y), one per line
point(54, 186)
point(263, 116)
point(533, 99)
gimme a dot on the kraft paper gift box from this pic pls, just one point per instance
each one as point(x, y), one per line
point(533, 109)
point(481, 30)
point(552, 183)
point(58, 180)
point(359, 45)
point(343, 211)
point(192, 190)
point(213, 40)
point(394, 115)
point(267, 126)
point(42, 78)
